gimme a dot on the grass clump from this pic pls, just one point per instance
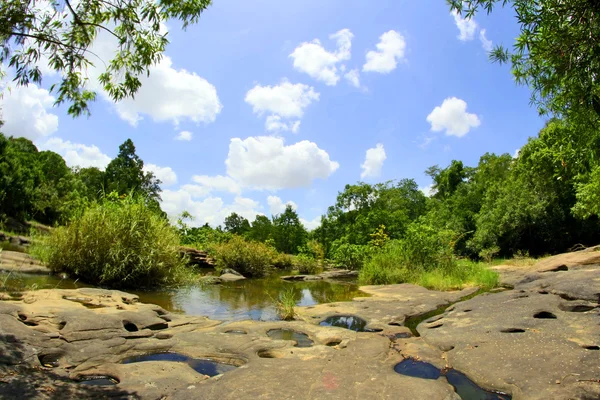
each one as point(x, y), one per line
point(285, 304)
point(251, 259)
point(424, 257)
point(116, 243)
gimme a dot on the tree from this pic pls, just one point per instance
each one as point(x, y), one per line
point(556, 53)
point(236, 224)
point(288, 232)
point(64, 33)
point(262, 229)
point(126, 174)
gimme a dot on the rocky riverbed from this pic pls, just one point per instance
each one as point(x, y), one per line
point(540, 340)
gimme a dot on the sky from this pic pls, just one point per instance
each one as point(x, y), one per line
point(270, 102)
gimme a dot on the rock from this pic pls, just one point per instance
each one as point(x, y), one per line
point(197, 258)
point(333, 274)
point(21, 262)
point(231, 278)
point(298, 278)
point(211, 280)
point(230, 271)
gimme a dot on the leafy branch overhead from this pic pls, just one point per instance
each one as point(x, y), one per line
point(556, 53)
point(62, 34)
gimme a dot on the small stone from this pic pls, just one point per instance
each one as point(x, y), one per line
point(558, 381)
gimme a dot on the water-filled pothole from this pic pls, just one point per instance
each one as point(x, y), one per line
point(301, 339)
point(98, 380)
point(351, 322)
point(464, 387)
point(200, 365)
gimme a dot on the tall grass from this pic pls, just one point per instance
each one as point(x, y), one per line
point(424, 257)
point(285, 304)
point(251, 259)
point(116, 243)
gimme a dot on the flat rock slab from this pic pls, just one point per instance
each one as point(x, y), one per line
point(13, 261)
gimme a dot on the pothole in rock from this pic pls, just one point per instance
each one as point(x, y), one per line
point(23, 318)
point(237, 332)
point(350, 322)
point(333, 343)
point(464, 387)
point(577, 308)
point(49, 360)
point(560, 268)
point(301, 339)
point(203, 366)
point(130, 327)
point(591, 347)
point(544, 315)
point(513, 330)
point(98, 380)
point(266, 353)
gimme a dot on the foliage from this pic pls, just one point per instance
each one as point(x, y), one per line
point(236, 224)
point(379, 238)
point(306, 264)
point(261, 230)
point(288, 232)
point(61, 37)
point(251, 259)
point(116, 243)
point(285, 304)
point(555, 53)
point(312, 248)
point(350, 256)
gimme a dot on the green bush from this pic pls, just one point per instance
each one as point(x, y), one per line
point(350, 256)
point(250, 259)
point(306, 264)
point(115, 243)
point(282, 261)
point(424, 257)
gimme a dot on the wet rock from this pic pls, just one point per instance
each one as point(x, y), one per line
point(231, 277)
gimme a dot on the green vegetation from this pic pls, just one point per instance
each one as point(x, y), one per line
point(285, 304)
point(118, 242)
point(305, 264)
point(251, 259)
point(66, 34)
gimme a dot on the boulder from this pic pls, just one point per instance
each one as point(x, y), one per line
point(231, 277)
point(197, 258)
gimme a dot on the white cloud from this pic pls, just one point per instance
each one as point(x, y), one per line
point(75, 154)
point(211, 210)
point(373, 162)
point(485, 42)
point(517, 153)
point(312, 224)
point(277, 206)
point(25, 111)
point(172, 95)
point(184, 135)
point(217, 183)
point(467, 27)
point(286, 100)
point(428, 190)
point(452, 117)
point(275, 124)
point(353, 77)
point(390, 50)
point(312, 58)
point(265, 162)
point(167, 176)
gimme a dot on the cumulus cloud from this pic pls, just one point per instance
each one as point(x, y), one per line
point(427, 190)
point(485, 42)
point(466, 27)
point(285, 104)
point(312, 224)
point(452, 117)
point(75, 154)
point(320, 64)
point(353, 77)
point(277, 206)
point(170, 94)
point(373, 162)
point(25, 111)
point(265, 162)
point(274, 123)
point(167, 176)
point(217, 183)
point(390, 50)
point(184, 136)
point(211, 210)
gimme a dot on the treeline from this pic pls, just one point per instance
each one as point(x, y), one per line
point(38, 185)
point(544, 200)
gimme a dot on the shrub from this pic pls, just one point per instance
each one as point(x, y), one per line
point(306, 264)
point(285, 304)
point(282, 261)
point(250, 259)
point(351, 256)
point(115, 243)
point(313, 249)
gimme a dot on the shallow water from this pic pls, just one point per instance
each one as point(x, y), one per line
point(246, 299)
point(200, 365)
point(464, 387)
point(301, 339)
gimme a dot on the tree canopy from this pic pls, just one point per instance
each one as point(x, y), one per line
point(62, 34)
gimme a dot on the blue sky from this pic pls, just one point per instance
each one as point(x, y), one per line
point(290, 100)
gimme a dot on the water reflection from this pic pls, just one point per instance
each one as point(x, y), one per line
point(247, 299)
